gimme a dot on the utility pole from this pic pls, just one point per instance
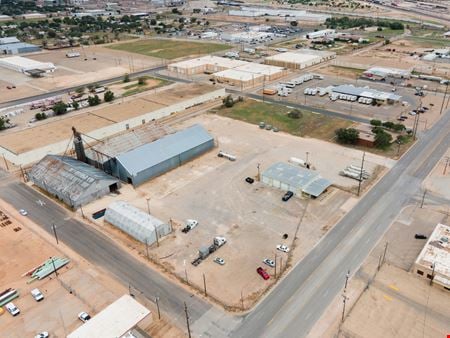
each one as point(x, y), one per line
point(82, 213)
point(344, 300)
point(242, 300)
point(187, 320)
point(157, 237)
point(259, 175)
point(361, 173)
point(446, 164)
point(204, 284)
point(423, 198)
point(148, 204)
point(347, 276)
point(416, 123)
point(146, 249)
point(275, 267)
point(384, 253)
point(443, 100)
point(432, 273)
point(54, 232)
point(157, 307)
point(54, 267)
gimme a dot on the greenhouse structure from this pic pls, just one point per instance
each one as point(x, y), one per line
point(136, 223)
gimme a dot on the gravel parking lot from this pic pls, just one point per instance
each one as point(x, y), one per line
point(252, 217)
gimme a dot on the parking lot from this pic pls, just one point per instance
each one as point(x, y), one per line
point(252, 217)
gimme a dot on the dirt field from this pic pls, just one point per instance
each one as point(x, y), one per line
point(438, 181)
point(95, 63)
point(393, 302)
point(57, 313)
point(252, 217)
point(169, 49)
point(59, 128)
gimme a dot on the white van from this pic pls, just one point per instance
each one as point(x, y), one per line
point(37, 295)
point(288, 84)
point(12, 309)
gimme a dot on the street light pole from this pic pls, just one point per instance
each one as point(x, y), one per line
point(187, 320)
point(148, 204)
point(54, 267)
point(54, 232)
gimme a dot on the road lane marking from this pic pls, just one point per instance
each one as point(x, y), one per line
point(393, 287)
point(387, 297)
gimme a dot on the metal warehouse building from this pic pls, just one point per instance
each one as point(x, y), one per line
point(366, 93)
point(150, 160)
point(299, 59)
point(136, 223)
point(299, 180)
point(239, 78)
point(71, 181)
point(11, 45)
point(25, 65)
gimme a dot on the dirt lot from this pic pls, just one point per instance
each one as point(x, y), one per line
point(101, 63)
point(57, 313)
point(252, 217)
point(59, 128)
point(438, 181)
point(393, 302)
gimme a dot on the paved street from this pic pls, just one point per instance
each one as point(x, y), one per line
point(292, 308)
point(297, 303)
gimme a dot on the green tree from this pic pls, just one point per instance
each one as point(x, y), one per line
point(60, 108)
point(388, 124)
point(347, 135)
point(295, 114)
point(228, 101)
point(398, 127)
point(94, 100)
point(4, 122)
point(376, 122)
point(153, 22)
point(75, 105)
point(382, 139)
point(294, 23)
point(126, 78)
point(108, 96)
point(142, 81)
point(80, 90)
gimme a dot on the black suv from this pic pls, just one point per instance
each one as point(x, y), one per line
point(287, 196)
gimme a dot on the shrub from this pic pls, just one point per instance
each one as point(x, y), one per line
point(228, 101)
point(94, 100)
point(60, 108)
point(108, 96)
point(382, 139)
point(40, 116)
point(388, 124)
point(126, 78)
point(375, 122)
point(295, 114)
point(142, 81)
point(347, 135)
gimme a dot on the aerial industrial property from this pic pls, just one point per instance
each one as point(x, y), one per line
point(224, 169)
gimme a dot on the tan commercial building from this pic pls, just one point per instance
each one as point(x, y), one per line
point(433, 262)
point(206, 64)
point(299, 59)
point(239, 78)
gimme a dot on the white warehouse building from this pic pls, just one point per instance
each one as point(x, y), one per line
point(299, 59)
point(136, 223)
point(26, 65)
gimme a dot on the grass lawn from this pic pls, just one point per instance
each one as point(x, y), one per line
point(428, 42)
point(309, 124)
point(386, 32)
point(136, 88)
point(169, 49)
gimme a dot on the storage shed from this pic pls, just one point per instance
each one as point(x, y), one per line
point(136, 223)
point(71, 181)
point(152, 159)
point(299, 180)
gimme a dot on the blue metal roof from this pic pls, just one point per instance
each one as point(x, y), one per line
point(151, 154)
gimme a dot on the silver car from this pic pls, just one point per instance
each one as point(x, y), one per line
point(269, 262)
point(219, 260)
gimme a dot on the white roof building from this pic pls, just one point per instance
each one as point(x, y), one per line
point(114, 321)
point(135, 222)
point(299, 59)
point(23, 65)
point(433, 261)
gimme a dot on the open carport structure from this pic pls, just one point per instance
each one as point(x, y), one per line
point(299, 180)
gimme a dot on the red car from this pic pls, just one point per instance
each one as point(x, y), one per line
point(263, 273)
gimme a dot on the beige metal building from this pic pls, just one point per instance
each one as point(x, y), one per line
point(270, 73)
point(433, 261)
point(299, 59)
point(239, 78)
point(206, 64)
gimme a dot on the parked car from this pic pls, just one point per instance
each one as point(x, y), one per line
point(23, 212)
point(12, 309)
point(249, 180)
point(287, 196)
point(219, 260)
point(283, 248)
point(37, 295)
point(84, 317)
point(190, 224)
point(42, 335)
point(263, 273)
point(269, 262)
point(420, 236)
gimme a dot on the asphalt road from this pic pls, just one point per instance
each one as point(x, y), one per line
point(66, 90)
point(293, 307)
point(103, 252)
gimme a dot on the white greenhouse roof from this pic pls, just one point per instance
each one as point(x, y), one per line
point(133, 221)
point(114, 321)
